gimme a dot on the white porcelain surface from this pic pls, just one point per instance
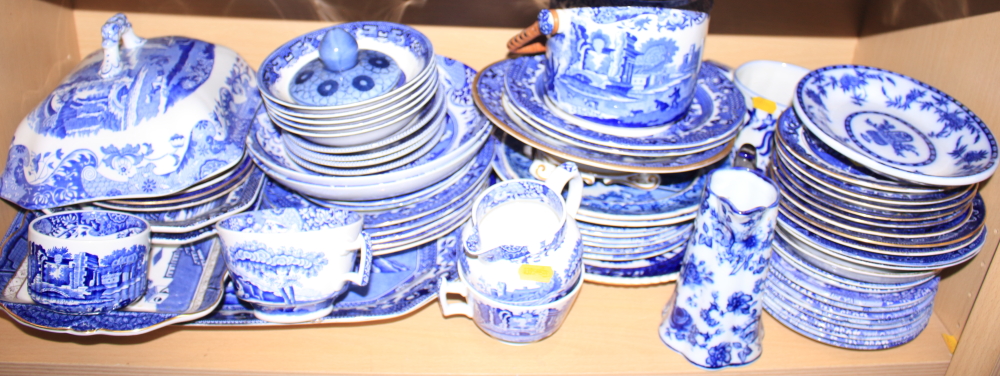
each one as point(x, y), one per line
point(768, 87)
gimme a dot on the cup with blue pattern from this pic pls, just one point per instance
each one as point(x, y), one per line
point(291, 264)
point(628, 71)
point(511, 323)
point(87, 262)
point(522, 244)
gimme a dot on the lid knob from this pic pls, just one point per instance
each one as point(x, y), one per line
point(116, 32)
point(338, 50)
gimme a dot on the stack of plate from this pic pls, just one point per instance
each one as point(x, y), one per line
point(878, 174)
point(410, 159)
point(188, 216)
point(642, 192)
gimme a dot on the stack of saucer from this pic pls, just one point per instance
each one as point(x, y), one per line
point(878, 174)
point(391, 133)
point(643, 191)
point(188, 216)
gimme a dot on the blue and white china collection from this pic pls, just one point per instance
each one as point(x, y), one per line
point(358, 176)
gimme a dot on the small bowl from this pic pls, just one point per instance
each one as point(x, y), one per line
point(896, 125)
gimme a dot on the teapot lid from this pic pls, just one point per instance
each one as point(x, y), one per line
point(343, 74)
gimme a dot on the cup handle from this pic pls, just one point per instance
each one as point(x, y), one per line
point(567, 174)
point(446, 287)
point(364, 272)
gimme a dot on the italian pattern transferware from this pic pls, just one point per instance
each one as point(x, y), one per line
point(143, 118)
point(896, 125)
point(185, 283)
point(613, 212)
point(623, 68)
point(675, 196)
point(709, 121)
point(488, 90)
point(399, 284)
point(87, 262)
point(291, 264)
point(713, 319)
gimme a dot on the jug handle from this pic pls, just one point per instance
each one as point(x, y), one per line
point(116, 33)
point(522, 42)
point(567, 174)
point(446, 287)
point(360, 277)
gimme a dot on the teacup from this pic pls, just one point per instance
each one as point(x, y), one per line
point(523, 246)
point(631, 68)
point(768, 87)
point(291, 264)
point(87, 262)
point(504, 321)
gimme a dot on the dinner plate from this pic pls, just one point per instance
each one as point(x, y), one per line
point(918, 246)
point(487, 90)
point(469, 131)
point(805, 147)
point(850, 269)
point(956, 254)
point(714, 116)
point(792, 259)
point(656, 270)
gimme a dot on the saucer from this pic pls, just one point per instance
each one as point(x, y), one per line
point(896, 125)
point(656, 270)
point(185, 284)
point(848, 268)
point(791, 258)
point(400, 283)
point(956, 254)
point(193, 218)
point(677, 196)
point(487, 90)
point(806, 148)
point(713, 118)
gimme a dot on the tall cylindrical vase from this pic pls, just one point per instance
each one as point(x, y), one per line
point(713, 318)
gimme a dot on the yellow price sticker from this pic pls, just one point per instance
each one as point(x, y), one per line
point(765, 105)
point(537, 273)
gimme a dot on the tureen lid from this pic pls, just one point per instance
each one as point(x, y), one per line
point(141, 118)
point(343, 74)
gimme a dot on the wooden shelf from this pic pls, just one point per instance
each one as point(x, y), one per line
point(611, 330)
